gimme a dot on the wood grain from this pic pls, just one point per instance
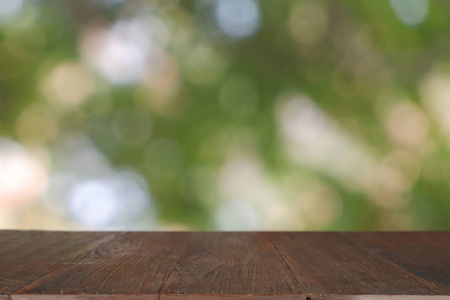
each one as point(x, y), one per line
point(83, 297)
point(26, 256)
point(380, 297)
point(230, 297)
point(38, 265)
point(425, 254)
point(327, 263)
point(231, 263)
point(135, 263)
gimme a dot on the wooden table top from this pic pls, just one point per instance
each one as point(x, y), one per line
point(224, 265)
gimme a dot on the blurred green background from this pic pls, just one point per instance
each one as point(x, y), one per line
point(225, 115)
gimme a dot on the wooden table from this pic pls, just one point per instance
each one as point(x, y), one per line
point(224, 265)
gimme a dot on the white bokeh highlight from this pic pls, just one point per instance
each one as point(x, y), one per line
point(128, 50)
point(23, 176)
point(100, 202)
point(237, 18)
point(95, 195)
point(311, 138)
point(235, 215)
point(410, 12)
point(10, 8)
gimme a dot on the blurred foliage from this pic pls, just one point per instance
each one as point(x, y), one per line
point(332, 115)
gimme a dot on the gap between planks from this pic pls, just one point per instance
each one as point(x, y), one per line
point(284, 262)
point(167, 279)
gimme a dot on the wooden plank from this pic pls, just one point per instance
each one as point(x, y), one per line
point(380, 297)
point(425, 254)
point(231, 263)
point(136, 263)
point(26, 256)
point(224, 265)
point(327, 264)
point(82, 297)
point(230, 297)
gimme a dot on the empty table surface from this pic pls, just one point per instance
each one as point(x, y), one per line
point(224, 265)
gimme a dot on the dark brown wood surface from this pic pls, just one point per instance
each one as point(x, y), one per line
point(26, 256)
point(224, 265)
point(329, 262)
point(429, 259)
point(240, 263)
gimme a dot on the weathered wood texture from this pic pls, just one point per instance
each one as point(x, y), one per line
point(424, 254)
point(133, 263)
point(29, 255)
point(230, 297)
point(38, 265)
point(236, 263)
point(329, 262)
